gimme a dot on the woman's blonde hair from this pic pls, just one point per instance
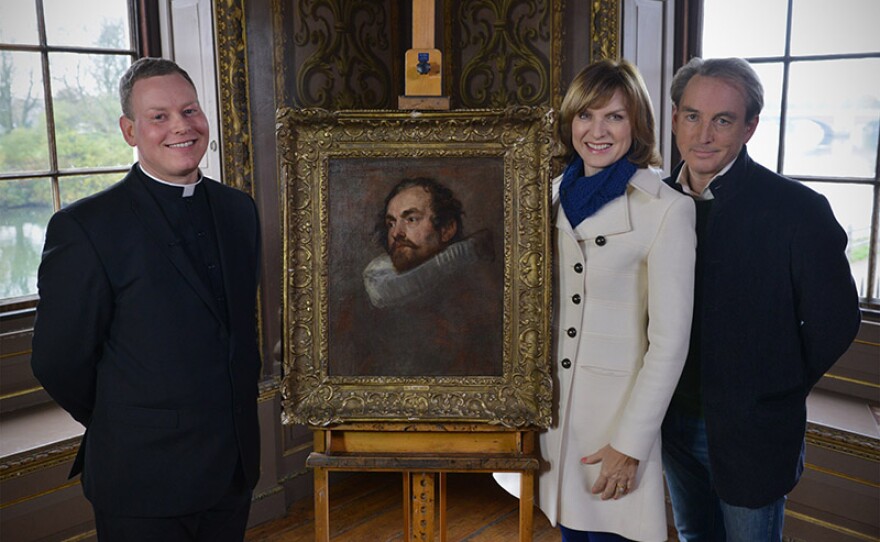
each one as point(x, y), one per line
point(594, 86)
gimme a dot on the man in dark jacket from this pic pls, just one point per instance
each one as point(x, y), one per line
point(145, 329)
point(775, 307)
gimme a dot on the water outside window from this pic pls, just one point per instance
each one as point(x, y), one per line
point(26, 208)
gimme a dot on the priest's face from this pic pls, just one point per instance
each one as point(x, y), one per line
point(168, 128)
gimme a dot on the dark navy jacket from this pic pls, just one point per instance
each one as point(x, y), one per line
point(778, 308)
point(130, 341)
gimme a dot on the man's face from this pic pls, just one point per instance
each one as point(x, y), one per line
point(168, 128)
point(710, 126)
point(412, 238)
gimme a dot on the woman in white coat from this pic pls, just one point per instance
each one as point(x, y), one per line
point(624, 293)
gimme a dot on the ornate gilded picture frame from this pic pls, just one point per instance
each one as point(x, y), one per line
point(393, 311)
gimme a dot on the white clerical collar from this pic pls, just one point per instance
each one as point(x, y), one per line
point(684, 179)
point(188, 189)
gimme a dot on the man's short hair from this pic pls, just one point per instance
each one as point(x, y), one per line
point(445, 206)
point(594, 87)
point(142, 69)
point(735, 70)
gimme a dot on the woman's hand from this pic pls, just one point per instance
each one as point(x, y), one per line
point(618, 474)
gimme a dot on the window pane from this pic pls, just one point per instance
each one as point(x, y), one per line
point(25, 208)
point(87, 110)
point(834, 111)
point(764, 145)
point(67, 23)
point(18, 22)
point(75, 188)
point(852, 205)
point(23, 143)
point(732, 29)
point(820, 27)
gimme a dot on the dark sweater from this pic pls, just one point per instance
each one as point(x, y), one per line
point(687, 393)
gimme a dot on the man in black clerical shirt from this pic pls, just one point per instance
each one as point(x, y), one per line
point(146, 333)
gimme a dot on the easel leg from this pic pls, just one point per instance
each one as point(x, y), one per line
point(423, 507)
point(322, 506)
point(442, 507)
point(407, 506)
point(526, 505)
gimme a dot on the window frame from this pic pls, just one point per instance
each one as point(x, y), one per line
point(143, 41)
point(688, 44)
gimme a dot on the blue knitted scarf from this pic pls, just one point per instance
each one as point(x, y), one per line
point(582, 196)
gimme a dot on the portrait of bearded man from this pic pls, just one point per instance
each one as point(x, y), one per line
point(431, 300)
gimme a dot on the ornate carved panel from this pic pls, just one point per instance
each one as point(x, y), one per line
point(344, 53)
point(504, 52)
point(347, 54)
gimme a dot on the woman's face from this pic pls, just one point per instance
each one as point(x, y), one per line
point(603, 135)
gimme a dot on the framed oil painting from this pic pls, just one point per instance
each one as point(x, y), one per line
point(417, 266)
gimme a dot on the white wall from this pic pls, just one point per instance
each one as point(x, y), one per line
point(647, 41)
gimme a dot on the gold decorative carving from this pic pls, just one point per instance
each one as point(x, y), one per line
point(604, 29)
point(843, 442)
point(280, 46)
point(348, 51)
point(521, 138)
point(235, 123)
point(337, 54)
point(269, 388)
point(38, 459)
point(507, 52)
point(504, 57)
point(557, 85)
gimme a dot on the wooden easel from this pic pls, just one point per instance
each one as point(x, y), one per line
point(423, 64)
point(422, 452)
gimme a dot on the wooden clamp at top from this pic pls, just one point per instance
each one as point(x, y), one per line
point(423, 64)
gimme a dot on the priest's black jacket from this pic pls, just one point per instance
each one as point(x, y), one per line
point(134, 345)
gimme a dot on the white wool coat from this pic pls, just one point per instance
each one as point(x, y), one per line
point(624, 283)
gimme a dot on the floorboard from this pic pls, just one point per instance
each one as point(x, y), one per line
point(367, 507)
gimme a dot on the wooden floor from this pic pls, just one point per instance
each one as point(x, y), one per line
point(368, 507)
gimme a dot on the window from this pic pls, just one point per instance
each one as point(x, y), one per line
point(60, 64)
point(819, 62)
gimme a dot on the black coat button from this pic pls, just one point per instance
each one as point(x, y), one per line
point(572, 332)
point(576, 299)
point(578, 268)
point(566, 363)
point(601, 240)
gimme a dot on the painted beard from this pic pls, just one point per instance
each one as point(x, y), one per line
point(405, 255)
